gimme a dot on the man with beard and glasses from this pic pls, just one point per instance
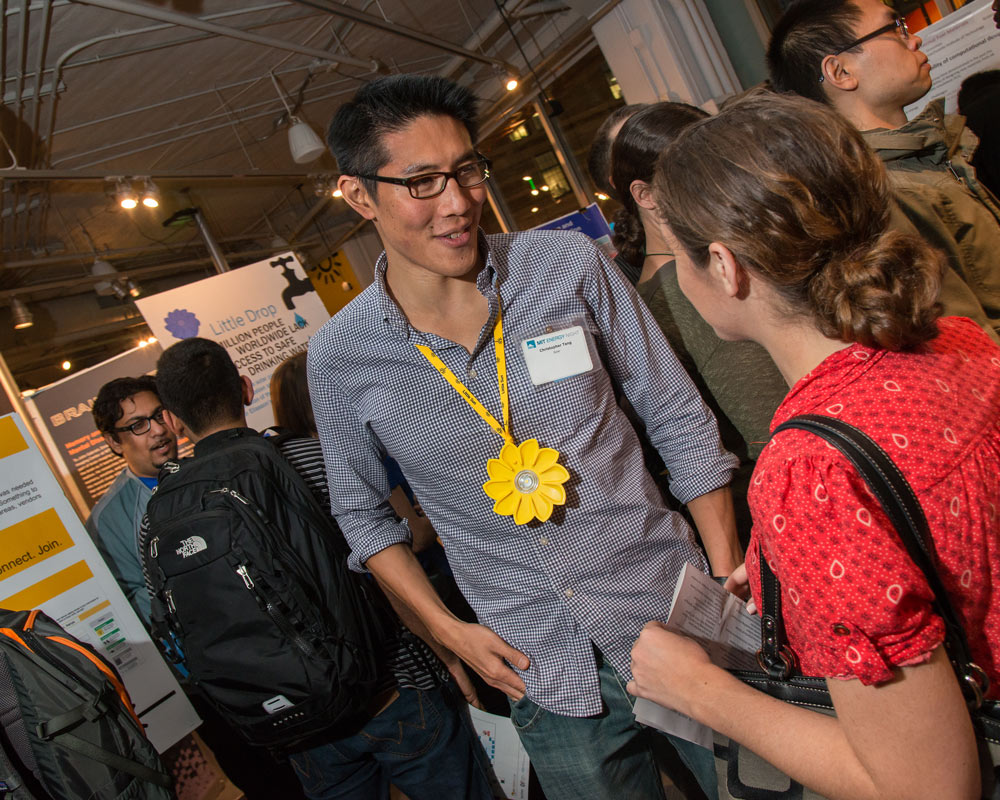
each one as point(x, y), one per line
point(129, 414)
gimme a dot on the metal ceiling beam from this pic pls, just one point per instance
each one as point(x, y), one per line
point(85, 175)
point(338, 10)
point(185, 21)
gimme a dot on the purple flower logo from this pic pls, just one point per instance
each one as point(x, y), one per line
point(182, 323)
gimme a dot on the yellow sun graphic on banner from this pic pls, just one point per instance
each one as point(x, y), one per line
point(526, 481)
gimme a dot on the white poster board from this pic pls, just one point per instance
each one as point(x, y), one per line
point(262, 314)
point(48, 561)
point(504, 749)
point(963, 43)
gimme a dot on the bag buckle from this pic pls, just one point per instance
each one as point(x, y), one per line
point(975, 684)
point(778, 672)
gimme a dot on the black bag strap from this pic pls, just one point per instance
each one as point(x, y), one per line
point(901, 506)
point(119, 762)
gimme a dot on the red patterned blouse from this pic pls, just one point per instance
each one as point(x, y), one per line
point(854, 604)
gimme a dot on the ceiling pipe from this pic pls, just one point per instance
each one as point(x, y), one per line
point(338, 10)
point(101, 175)
point(61, 63)
point(85, 282)
point(185, 21)
point(190, 134)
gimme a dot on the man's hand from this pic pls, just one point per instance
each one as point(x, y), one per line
point(488, 654)
point(667, 668)
point(461, 678)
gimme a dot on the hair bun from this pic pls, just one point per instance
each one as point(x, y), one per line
point(884, 294)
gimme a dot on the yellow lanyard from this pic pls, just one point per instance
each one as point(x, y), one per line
point(462, 389)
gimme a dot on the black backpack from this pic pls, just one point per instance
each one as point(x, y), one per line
point(67, 726)
point(248, 577)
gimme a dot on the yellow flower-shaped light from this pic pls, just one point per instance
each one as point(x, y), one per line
point(526, 481)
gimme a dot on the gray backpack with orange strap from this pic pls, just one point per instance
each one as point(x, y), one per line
point(67, 727)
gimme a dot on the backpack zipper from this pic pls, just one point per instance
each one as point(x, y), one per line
point(279, 619)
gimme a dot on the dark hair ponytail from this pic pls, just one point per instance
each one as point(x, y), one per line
point(628, 235)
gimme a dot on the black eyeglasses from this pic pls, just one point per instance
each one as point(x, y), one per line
point(898, 24)
point(142, 425)
point(431, 184)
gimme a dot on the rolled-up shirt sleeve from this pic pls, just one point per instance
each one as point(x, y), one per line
point(359, 485)
point(641, 362)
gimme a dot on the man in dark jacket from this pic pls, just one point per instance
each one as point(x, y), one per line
point(859, 57)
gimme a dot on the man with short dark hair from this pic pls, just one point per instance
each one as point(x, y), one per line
point(128, 412)
point(858, 56)
point(418, 735)
point(487, 367)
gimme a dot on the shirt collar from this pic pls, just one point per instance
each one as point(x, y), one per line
point(393, 315)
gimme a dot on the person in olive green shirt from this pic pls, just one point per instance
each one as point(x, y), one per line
point(737, 380)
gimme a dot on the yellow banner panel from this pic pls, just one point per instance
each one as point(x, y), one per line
point(91, 611)
point(334, 281)
point(26, 543)
point(47, 588)
point(11, 440)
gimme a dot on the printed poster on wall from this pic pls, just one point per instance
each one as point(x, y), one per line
point(262, 314)
point(959, 45)
point(48, 561)
point(589, 220)
point(63, 412)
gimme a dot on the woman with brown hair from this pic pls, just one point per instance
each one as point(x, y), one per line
point(778, 214)
point(737, 380)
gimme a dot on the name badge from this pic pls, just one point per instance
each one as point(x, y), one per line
point(557, 355)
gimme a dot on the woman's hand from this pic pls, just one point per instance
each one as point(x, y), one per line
point(668, 668)
point(739, 584)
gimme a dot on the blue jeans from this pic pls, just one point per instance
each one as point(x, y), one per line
point(609, 756)
point(423, 743)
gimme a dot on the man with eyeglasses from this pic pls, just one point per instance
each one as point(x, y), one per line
point(859, 57)
point(129, 414)
point(488, 368)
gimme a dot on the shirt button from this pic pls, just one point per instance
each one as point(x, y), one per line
point(840, 629)
point(568, 593)
point(543, 541)
point(472, 372)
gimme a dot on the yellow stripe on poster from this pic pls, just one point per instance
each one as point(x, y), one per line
point(26, 543)
point(91, 611)
point(47, 588)
point(11, 440)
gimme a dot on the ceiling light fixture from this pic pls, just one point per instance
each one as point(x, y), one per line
point(100, 268)
point(150, 194)
point(22, 317)
point(305, 145)
point(511, 84)
point(125, 194)
point(67, 366)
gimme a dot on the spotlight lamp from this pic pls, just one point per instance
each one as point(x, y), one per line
point(22, 317)
point(150, 194)
point(511, 84)
point(125, 195)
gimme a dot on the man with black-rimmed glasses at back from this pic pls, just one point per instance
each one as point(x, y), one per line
point(127, 411)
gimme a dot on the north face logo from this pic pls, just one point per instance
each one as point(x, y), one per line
point(190, 546)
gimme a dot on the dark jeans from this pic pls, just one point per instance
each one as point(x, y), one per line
point(423, 743)
point(609, 756)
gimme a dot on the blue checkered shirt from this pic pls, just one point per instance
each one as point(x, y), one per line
point(607, 561)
